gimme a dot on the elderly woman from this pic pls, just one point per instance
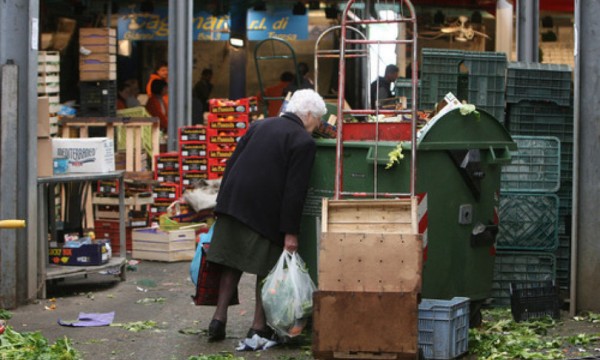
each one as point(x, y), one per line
point(260, 202)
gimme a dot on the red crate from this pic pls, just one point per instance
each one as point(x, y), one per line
point(167, 176)
point(227, 122)
point(192, 149)
point(166, 191)
point(166, 161)
point(214, 175)
point(222, 147)
point(188, 178)
point(108, 186)
point(109, 229)
point(192, 133)
point(217, 165)
point(193, 163)
point(224, 106)
point(220, 154)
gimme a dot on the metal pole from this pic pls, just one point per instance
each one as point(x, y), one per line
point(586, 253)
point(528, 30)
point(19, 30)
point(8, 184)
point(180, 68)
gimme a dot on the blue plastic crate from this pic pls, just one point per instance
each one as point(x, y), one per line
point(535, 81)
point(535, 165)
point(444, 327)
point(521, 268)
point(528, 222)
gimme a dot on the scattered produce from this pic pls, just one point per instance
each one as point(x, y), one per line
point(34, 346)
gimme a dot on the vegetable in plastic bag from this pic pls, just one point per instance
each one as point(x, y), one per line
point(287, 295)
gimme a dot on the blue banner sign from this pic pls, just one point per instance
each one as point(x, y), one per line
point(280, 23)
point(134, 25)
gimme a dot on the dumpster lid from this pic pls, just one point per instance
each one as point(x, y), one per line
point(456, 131)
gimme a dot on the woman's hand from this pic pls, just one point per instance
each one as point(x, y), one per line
point(291, 242)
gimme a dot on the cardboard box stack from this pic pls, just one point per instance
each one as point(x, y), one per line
point(228, 121)
point(44, 141)
point(98, 71)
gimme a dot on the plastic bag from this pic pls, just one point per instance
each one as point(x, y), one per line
point(287, 295)
point(197, 260)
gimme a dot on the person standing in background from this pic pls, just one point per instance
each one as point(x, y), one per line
point(303, 79)
point(276, 91)
point(381, 88)
point(156, 105)
point(203, 88)
point(134, 90)
point(161, 72)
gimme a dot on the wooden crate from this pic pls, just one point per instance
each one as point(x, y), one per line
point(397, 216)
point(174, 245)
point(365, 325)
point(370, 262)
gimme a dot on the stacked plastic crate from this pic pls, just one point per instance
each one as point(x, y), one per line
point(168, 189)
point(539, 103)
point(97, 72)
point(528, 213)
point(476, 77)
point(228, 121)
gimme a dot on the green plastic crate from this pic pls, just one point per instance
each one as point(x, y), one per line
point(520, 268)
point(541, 119)
point(535, 166)
point(528, 222)
point(535, 81)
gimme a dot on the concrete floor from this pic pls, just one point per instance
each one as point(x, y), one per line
point(181, 325)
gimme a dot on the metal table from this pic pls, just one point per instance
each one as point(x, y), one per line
point(49, 271)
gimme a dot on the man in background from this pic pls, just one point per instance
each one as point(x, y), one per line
point(381, 88)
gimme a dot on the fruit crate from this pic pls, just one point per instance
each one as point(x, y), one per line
point(535, 81)
point(444, 327)
point(535, 166)
point(534, 301)
point(98, 98)
point(521, 268)
point(528, 222)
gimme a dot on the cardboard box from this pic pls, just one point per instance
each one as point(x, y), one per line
point(86, 255)
point(85, 75)
point(155, 244)
point(86, 155)
point(43, 123)
point(44, 160)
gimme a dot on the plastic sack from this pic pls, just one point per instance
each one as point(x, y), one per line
point(197, 260)
point(287, 295)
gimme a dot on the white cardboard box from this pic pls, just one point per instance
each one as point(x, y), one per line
point(89, 155)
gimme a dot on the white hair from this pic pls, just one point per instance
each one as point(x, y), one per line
point(306, 101)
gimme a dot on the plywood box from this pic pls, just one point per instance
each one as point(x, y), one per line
point(97, 32)
point(155, 244)
point(365, 325)
point(85, 75)
point(97, 59)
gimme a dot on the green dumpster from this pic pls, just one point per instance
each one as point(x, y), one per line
point(459, 159)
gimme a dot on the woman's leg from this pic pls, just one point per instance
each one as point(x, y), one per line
point(230, 279)
point(260, 320)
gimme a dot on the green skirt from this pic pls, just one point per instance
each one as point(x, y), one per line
point(235, 245)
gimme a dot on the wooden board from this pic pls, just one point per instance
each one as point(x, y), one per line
point(186, 244)
point(85, 75)
point(397, 216)
point(106, 68)
point(376, 323)
point(370, 262)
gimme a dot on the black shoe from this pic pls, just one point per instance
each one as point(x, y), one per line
point(266, 333)
point(216, 330)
